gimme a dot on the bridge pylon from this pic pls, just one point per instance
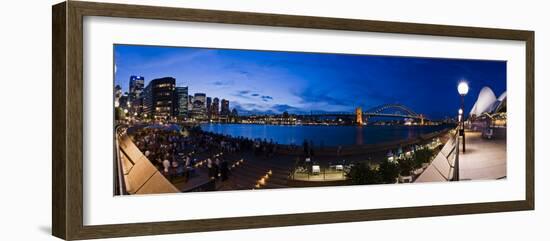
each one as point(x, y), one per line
point(359, 116)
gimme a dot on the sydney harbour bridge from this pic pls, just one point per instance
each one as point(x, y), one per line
point(361, 117)
point(386, 110)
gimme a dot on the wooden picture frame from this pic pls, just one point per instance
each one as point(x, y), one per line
point(67, 123)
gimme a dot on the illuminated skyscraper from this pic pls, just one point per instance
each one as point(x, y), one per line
point(182, 102)
point(225, 108)
point(209, 107)
point(215, 107)
point(199, 106)
point(134, 96)
point(190, 98)
point(136, 87)
point(158, 98)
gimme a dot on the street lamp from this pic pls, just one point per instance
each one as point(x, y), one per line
point(463, 91)
point(463, 88)
point(126, 114)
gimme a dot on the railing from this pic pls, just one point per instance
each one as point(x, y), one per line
point(444, 165)
point(456, 149)
point(118, 182)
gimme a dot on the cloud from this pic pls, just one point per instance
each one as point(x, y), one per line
point(248, 108)
point(171, 60)
point(344, 99)
point(243, 72)
point(280, 108)
point(244, 94)
point(223, 83)
point(263, 109)
point(311, 95)
point(249, 95)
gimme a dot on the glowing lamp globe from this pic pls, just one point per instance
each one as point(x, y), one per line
point(463, 88)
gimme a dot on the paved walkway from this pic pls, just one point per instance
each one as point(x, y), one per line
point(485, 159)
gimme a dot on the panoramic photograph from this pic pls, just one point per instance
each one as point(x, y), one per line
point(190, 119)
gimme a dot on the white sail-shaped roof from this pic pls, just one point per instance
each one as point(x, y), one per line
point(485, 102)
point(502, 97)
point(501, 101)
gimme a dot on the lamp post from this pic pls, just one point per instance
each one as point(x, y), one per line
point(126, 113)
point(456, 176)
point(463, 91)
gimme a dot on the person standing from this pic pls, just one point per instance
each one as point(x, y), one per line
point(217, 165)
point(211, 169)
point(166, 165)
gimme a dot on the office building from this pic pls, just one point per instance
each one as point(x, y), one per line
point(158, 98)
point(199, 106)
point(209, 107)
point(182, 102)
point(225, 108)
point(135, 87)
point(118, 94)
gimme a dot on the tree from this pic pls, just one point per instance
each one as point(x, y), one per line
point(389, 171)
point(422, 156)
point(406, 166)
point(119, 113)
point(361, 174)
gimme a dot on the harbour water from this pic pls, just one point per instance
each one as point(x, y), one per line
point(323, 135)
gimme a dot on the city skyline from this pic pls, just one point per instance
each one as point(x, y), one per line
point(274, 82)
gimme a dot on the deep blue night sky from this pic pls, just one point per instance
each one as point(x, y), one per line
point(269, 81)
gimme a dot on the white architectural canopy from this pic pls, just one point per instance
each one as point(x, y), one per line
point(502, 97)
point(487, 102)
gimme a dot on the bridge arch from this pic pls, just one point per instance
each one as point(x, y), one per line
point(406, 112)
point(381, 108)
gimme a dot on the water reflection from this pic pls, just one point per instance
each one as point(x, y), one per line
point(322, 135)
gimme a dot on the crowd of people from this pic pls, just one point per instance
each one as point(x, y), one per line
point(167, 151)
point(176, 153)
